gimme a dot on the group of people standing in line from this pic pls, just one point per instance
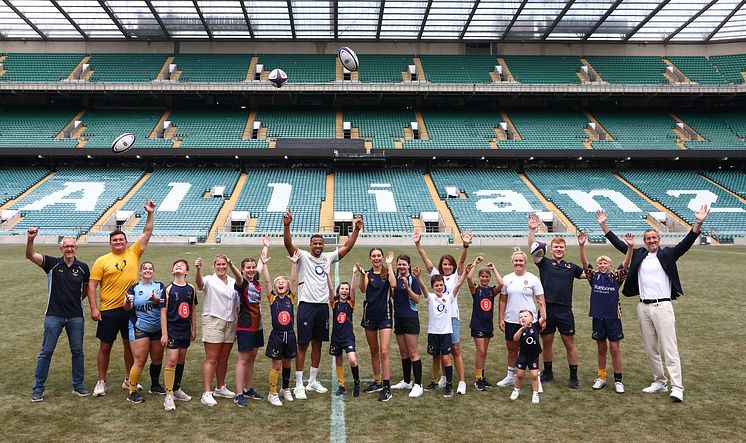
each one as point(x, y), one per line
point(156, 319)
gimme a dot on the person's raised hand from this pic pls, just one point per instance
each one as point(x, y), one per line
point(601, 216)
point(701, 215)
point(149, 206)
point(533, 221)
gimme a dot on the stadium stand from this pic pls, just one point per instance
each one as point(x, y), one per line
point(698, 69)
point(462, 130)
point(544, 69)
point(547, 130)
point(495, 202)
point(629, 70)
point(383, 127)
point(213, 68)
point(383, 68)
point(73, 200)
point(21, 67)
point(735, 181)
point(102, 126)
point(31, 127)
point(126, 67)
point(458, 68)
point(731, 67)
point(302, 68)
point(213, 129)
point(297, 122)
point(388, 198)
point(578, 194)
point(736, 121)
point(717, 133)
point(15, 181)
point(637, 130)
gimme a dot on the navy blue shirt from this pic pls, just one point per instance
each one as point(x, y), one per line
point(557, 278)
point(65, 286)
point(483, 309)
point(405, 307)
point(342, 321)
point(179, 303)
point(530, 346)
point(605, 293)
point(377, 297)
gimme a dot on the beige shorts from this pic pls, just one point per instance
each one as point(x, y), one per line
point(217, 330)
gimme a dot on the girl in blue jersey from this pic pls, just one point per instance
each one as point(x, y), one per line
point(142, 300)
point(482, 312)
point(407, 293)
point(343, 337)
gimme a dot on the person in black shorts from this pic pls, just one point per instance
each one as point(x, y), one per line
point(482, 313)
point(343, 337)
point(407, 294)
point(528, 354)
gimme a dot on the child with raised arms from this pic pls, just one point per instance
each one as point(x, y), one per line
point(482, 313)
point(343, 337)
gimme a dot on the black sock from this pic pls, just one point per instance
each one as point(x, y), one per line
point(387, 383)
point(547, 367)
point(178, 375)
point(406, 366)
point(618, 377)
point(573, 371)
point(155, 374)
point(355, 373)
point(449, 374)
point(285, 378)
point(417, 366)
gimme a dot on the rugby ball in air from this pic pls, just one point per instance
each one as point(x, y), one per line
point(277, 77)
point(348, 58)
point(538, 249)
point(123, 143)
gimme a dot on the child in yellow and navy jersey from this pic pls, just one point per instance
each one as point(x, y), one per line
point(343, 337)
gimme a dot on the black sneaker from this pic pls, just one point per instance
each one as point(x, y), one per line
point(547, 377)
point(37, 396)
point(373, 387)
point(157, 389)
point(487, 384)
point(135, 397)
point(342, 391)
point(573, 383)
point(240, 400)
point(432, 386)
point(448, 391)
point(356, 389)
point(385, 394)
point(479, 384)
point(253, 395)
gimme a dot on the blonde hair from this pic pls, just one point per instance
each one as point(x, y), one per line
point(604, 257)
point(220, 257)
point(518, 251)
point(280, 277)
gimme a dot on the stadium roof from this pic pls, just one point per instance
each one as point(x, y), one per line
point(654, 21)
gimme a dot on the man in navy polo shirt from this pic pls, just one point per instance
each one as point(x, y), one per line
point(66, 276)
point(557, 277)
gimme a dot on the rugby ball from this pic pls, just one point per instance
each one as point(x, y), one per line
point(278, 77)
point(123, 143)
point(538, 249)
point(348, 58)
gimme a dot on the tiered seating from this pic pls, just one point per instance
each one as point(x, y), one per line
point(27, 127)
point(547, 130)
point(733, 180)
point(547, 69)
point(102, 126)
point(731, 66)
point(213, 68)
point(303, 68)
point(213, 129)
point(717, 133)
point(383, 127)
point(736, 121)
point(298, 123)
point(89, 193)
point(126, 67)
point(483, 209)
point(39, 67)
point(458, 130)
point(660, 185)
point(458, 68)
point(266, 189)
point(637, 130)
point(356, 191)
point(624, 69)
point(554, 186)
point(186, 212)
point(383, 68)
point(13, 182)
point(698, 69)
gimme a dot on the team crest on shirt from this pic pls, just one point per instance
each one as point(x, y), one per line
point(525, 282)
point(120, 267)
point(75, 272)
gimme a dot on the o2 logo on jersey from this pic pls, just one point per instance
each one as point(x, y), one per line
point(485, 304)
point(341, 317)
point(441, 307)
point(184, 310)
point(319, 270)
point(530, 340)
point(283, 318)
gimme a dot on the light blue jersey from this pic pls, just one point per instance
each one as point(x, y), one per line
point(145, 314)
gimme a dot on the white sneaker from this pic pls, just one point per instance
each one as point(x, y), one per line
point(168, 403)
point(442, 382)
point(600, 383)
point(416, 391)
point(223, 392)
point(274, 399)
point(619, 387)
point(514, 395)
point(403, 385)
point(656, 387)
point(126, 385)
point(300, 392)
point(535, 397)
point(286, 394)
point(208, 400)
point(100, 389)
point(181, 395)
point(677, 394)
point(461, 389)
point(507, 381)
point(316, 387)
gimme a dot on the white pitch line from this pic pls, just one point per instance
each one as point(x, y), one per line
point(337, 431)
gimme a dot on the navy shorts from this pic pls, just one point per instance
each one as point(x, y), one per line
point(607, 329)
point(510, 330)
point(530, 363)
point(313, 322)
point(406, 325)
point(375, 325)
point(281, 345)
point(177, 343)
point(337, 347)
point(559, 318)
point(479, 333)
point(136, 333)
point(439, 344)
point(249, 340)
point(113, 322)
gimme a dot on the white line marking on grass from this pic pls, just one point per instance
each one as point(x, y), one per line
point(337, 431)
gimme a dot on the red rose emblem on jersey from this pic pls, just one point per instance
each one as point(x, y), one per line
point(485, 304)
point(525, 282)
point(184, 310)
point(341, 317)
point(283, 318)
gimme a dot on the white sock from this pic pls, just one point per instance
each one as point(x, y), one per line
point(298, 378)
point(312, 376)
point(511, 372)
